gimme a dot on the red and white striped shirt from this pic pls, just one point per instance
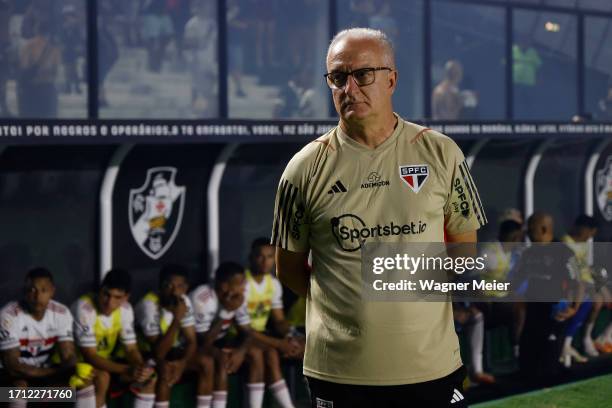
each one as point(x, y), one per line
point(35, 339)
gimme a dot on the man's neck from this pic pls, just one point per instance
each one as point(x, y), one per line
point(38, 316)
point(258, 277)
point(370, 134)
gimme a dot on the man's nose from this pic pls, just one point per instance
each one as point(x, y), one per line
point(351, 87)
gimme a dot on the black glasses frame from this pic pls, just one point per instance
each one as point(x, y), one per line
point(332, 84)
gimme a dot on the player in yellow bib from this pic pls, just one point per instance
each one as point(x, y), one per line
point(166, 327)
point(596, 295)
point(104, 331)
point(264, 295)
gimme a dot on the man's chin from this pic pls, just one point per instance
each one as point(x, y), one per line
point(356, 111)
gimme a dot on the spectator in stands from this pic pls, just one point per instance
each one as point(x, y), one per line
point(179, 13)
point(165, 320)
point(550, 272)
point(157, 31)
point(201, 42)
point(501, 259)
point(297, 96)
point(299, 21)
point(72, 39)
point(526, 63)
point(605, 106)
point(104, 331)
point(265, 12)
point(108, 52)
point(39, 63)
point(237, 29)
point(5, 46)
point(36, 343)
point(446, 99)
point(264, 295)
point(216, 309)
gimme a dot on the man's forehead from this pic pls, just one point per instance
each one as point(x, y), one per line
point(353, 52)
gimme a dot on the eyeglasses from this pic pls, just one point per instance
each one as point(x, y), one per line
point(362, 76)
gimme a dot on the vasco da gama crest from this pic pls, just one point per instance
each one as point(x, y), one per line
point(156, 211)
point(604, 189)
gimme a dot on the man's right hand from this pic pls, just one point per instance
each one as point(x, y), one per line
point(288, 347)
point(140, 374)
point(180, 309)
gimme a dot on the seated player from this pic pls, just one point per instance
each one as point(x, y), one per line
point(31, 330)
point(583, 230)
point(100, 321)
point(216, 308)
point(469, 317)
point(264, 295)
point(501, 258)
point(165, 319)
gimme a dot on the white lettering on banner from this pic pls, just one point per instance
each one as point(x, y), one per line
point(37, 130)
point(11, 131)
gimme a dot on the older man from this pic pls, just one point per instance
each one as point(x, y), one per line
point(372, 172)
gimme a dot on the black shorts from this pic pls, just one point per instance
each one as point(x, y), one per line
point(443, 392)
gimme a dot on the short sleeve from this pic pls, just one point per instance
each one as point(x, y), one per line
point(84, 321)
point(147, 316)
point(463, 211)
point(291, 226)
point(65, 324)
point(204, 309)
point(9, 328)
point(242, 316)
point(127, 334)
point(277, 297)
point(188, 320)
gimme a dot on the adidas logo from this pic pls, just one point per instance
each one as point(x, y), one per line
point(338, 187)
point(456, 396)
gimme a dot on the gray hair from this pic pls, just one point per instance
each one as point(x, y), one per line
point(370, 34)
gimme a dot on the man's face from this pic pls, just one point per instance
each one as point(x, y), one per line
point(111, 299)
point(543, 230)
point(175, 286)
point(38, 294)
point(590, 233)
point(231, 293)
point(262, 261)
point(354, 103)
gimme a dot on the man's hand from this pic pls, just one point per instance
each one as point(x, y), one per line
point(140, 374)
point(565, 314)
point(172, 371)
point(289, 347)
point(179, 310)
point(233, 359)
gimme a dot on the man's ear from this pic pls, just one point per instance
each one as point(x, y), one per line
point(393, 80)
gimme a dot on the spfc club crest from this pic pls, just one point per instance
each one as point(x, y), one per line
point(156, 211)
point(604, 189)
point(414, 175)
